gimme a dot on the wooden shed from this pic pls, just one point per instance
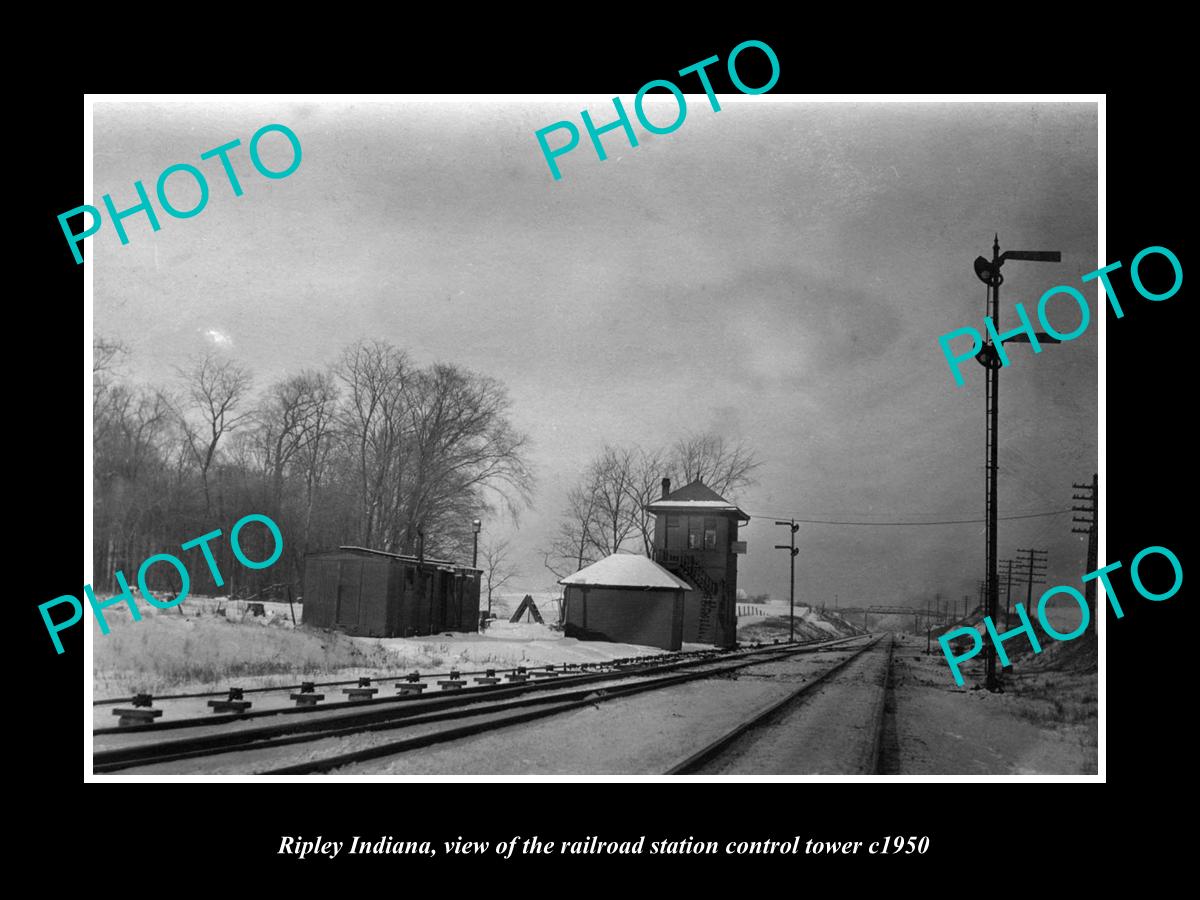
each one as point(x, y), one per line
point(628, 599)
point(380, 594)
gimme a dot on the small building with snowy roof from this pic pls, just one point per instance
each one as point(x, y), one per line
point(696, 538)
point(627, 599)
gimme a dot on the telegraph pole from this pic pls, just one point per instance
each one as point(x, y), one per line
point(1089, 591)
point(1035, 568)
point(1008, 591)
point(792, 591)
point(990, 358)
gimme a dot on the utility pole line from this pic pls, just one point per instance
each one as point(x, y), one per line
point(1089, 591)
point(1008, 589)
point(1035, 568)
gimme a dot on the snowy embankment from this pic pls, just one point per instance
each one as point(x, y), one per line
point(773, 622)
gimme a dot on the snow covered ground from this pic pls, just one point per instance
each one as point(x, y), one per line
point(192, 648)
point(773, 622)
point(1045, 722)
point(211, 643)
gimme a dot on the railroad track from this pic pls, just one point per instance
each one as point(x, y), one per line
point(427, 676)
point(432, 719)
point(562, 673)
point(740, 750)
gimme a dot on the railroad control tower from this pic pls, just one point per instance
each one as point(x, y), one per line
point(696, 538)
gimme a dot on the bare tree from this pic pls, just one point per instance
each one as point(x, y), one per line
point(107, 354)
point(106, 357)
point(135, 496)
point(615, 511)
point(431, 449)
point(369, 452)
point(643, 485)
point(296, 413)
point(606, 510)
point(497, 567)
point(314, 453)
point(465, 457)
point(216, 391)
point(572, 546)
point(722, 465)
point(372, 424)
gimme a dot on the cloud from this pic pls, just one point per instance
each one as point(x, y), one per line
point(218, 338)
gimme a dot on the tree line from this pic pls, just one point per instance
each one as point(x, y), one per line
point(606, 509)
point(373, 451)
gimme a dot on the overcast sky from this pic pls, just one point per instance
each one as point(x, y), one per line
point(777, 271)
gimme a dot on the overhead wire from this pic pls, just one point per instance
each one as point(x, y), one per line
point(1037, 515)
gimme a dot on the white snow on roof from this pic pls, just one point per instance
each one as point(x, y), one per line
point(687, 506)
point(693, 504)
point(627, 570)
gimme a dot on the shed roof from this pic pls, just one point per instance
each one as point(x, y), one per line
point(696, 497)
point(627, 570)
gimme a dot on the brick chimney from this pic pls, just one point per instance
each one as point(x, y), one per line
point(666, 487)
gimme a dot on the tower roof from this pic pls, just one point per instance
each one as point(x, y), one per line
point(697, 498)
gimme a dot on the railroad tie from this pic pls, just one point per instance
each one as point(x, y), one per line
point(229, 706)
point(358, 694)
point(136, 716)
point(410, 687)
point(307, 698)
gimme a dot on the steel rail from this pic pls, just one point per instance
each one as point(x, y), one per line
point(676, 654)
point(709, 752)
point(394, 748)
point(458, 697)
point(459, 704)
